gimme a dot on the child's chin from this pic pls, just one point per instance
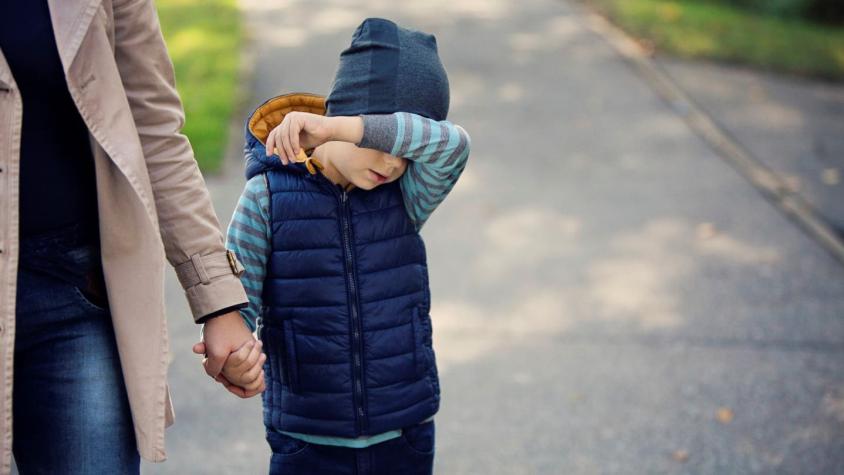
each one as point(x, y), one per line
point(365, 185)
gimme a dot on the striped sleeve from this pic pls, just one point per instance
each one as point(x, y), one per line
point(249, 238)
point(438, 152)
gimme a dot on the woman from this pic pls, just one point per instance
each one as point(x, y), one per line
point(94, 175)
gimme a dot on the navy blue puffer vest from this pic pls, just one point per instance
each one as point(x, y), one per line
point(345, 325)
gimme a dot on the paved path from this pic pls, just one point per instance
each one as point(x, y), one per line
point(794, 126)
point(609, 295)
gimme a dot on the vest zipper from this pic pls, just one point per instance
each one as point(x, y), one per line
point(356, 324)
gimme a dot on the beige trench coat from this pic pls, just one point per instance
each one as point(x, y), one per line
point(152, 200)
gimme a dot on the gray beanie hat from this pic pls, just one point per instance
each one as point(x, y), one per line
point(389, 69)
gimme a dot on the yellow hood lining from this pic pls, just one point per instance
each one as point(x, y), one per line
point(270, 114)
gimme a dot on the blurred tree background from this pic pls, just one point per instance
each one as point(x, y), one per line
point(203, 38)
point(794, 36)
point(804, 37)
point(823, 11)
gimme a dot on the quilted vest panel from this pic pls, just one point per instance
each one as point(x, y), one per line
point(345, 326)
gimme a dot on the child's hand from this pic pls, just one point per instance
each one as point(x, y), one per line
point(298, 129)
point(244, 367)
point(302, 130)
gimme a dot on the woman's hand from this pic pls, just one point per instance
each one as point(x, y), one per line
point(303, 130)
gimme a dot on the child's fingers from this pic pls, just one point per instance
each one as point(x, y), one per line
point(238, 357)
point(295, 128)
point(253, 378)
point(271, 142)
point(285, 138)
point(256, 370)
point(282, 152)
point(255, 384)
point(253, 356)
point(258, 390)
point(279, 144)
point(276, 143)
point(248, 394)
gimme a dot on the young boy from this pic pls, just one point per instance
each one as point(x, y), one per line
point(335, 268)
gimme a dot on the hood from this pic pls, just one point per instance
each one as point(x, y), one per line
point(265, 118)
point(389, 69)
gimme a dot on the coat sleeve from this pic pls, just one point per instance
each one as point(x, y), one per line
point(189, 227)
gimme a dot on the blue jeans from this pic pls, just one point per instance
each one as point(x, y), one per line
point(410, 454)
point(71, 413)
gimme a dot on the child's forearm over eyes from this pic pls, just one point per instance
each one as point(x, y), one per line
point(346, 129)
point(249, 238)
point(438, 150)
point(415, 138)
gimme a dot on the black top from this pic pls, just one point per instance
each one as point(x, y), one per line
point(57, 181)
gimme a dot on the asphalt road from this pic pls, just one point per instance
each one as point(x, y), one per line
point(609, 295)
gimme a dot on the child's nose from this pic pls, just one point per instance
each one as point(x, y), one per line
point(393, 162)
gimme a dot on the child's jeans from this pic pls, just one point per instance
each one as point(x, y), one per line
point(71, 413)
point(410, 454)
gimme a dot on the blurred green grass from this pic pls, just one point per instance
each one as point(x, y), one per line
point(203, 38)
point(696, 29)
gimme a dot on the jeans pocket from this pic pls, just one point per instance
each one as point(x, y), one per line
point(86, 302)
point(284, 445)
point(420, 438)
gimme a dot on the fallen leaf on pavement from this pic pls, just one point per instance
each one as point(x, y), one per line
point(725, 415)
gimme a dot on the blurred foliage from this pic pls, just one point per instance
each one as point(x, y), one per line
point(824, 11)
point(203, 38)
point(713, 29)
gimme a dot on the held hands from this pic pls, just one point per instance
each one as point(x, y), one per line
point(244, 367)
point(231, 351)
point(303, 130)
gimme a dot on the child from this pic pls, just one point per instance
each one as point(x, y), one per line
point(335, 268)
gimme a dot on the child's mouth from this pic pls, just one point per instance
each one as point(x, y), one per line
point(377, 177)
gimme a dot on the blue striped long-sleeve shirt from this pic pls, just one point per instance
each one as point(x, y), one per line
point(437, 152)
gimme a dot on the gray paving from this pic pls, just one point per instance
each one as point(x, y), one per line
point(609, 295)
point(795, 126)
